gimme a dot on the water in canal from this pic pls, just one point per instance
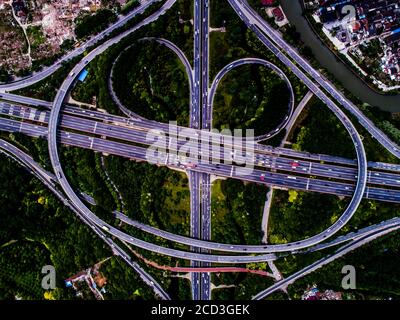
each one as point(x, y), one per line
point(326, 58)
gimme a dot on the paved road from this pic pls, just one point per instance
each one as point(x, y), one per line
point(49, 178)
point(205, 206)
point(195, 224)
point(373, 232)
point(252, 248)
point(299, 109)
point(52, 137)
point(283, 167)
point(73, 120)
point(206, 124)
point(25, 100)
point(149, 124)
point(296, 168)
point(195, 122)
point(250, 16)
point(54, 157)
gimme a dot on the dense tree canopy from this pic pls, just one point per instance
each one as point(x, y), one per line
point(93, 23)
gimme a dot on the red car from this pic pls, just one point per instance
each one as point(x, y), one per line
point(294, 164)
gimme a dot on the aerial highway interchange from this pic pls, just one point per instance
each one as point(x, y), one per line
point(277, 167)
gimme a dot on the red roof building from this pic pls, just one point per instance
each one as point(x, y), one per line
point(278, 14)
point(267, 3)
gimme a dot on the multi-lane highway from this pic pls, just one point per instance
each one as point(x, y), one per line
point(200, 281)
point(289, 170)
point(224, 247)
point(364, 235)
point(278, 167)
point(149, 124)
point(54, 157)
point(114, 130)
point(194, 177)
point(195, 224)
point(206, 124)
point(250, 20)
point(270, 178)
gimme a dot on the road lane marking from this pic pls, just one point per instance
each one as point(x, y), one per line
point(42, 116)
